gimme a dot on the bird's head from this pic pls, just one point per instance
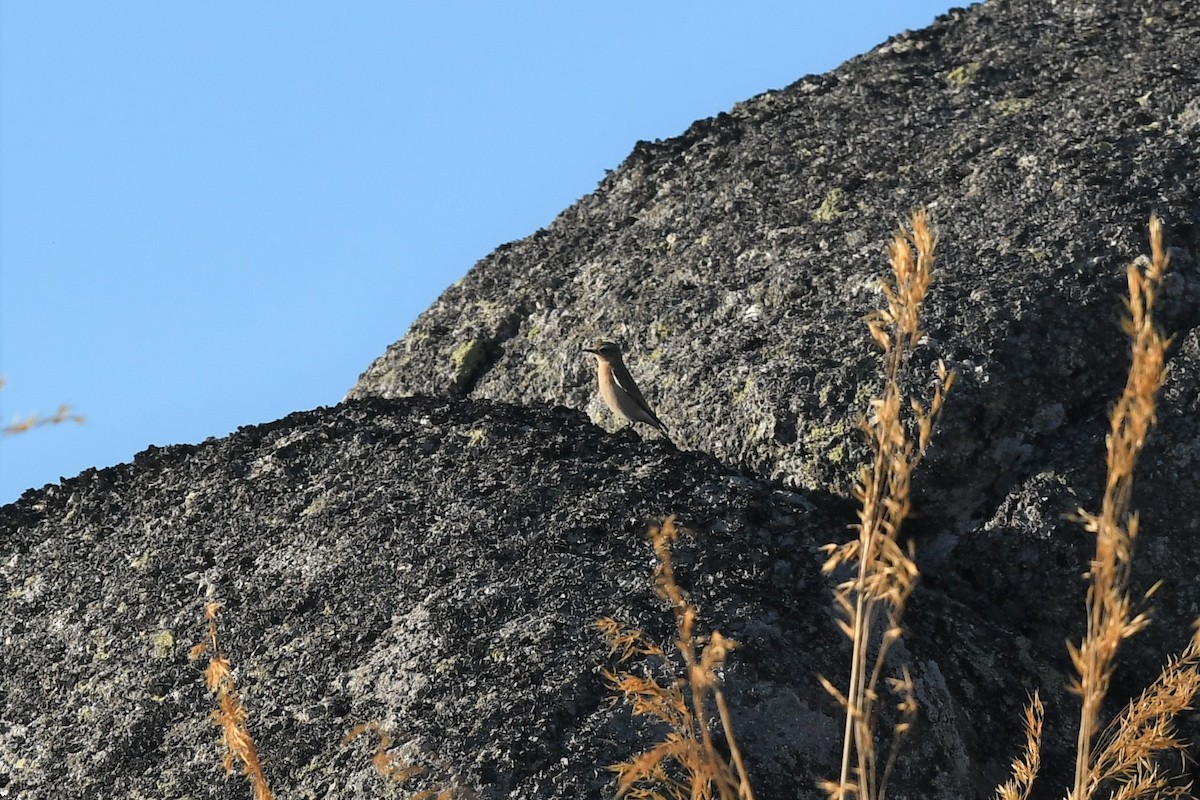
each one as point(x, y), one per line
point(605, 350)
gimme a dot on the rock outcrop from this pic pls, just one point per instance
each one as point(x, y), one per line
point(432, 554)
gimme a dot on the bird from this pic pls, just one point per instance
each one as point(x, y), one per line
point(618, 388)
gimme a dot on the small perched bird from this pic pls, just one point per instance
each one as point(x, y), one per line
point(618, 389)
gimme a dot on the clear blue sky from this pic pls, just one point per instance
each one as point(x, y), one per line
point(214, 214)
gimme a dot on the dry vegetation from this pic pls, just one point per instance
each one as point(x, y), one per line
point(1025, 768)
point(399, 772)
point(63, 414)
point(1122, 760)
point(1117, 761)
point(230, 715)
point(686, 763)
point(872, 601)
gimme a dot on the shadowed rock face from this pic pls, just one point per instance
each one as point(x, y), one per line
point(435, 563)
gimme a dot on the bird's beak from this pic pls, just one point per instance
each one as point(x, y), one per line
point(589, 350)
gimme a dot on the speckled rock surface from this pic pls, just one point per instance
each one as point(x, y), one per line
point(436, 567)
point(735, 261)
point(431, 554)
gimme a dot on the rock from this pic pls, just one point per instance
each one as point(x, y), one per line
point(735, 261)
point(433, 566)
point(432, 555)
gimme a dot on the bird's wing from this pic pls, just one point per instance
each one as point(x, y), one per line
point(621, 375)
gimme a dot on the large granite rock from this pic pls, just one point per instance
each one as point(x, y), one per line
point(435, 566)
point(735, 261)
point(431, 555)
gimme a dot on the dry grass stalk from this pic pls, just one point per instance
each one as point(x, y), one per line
point(1125, 754)
point(384, 762)
point(1122, 760)
point(686, 764)
point(1126, 751)
point(63, 414)
point(1025, 768)
point(230, 715)
point(885, 574)
point(391, 768)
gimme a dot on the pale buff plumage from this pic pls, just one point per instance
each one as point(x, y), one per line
point(618, 388)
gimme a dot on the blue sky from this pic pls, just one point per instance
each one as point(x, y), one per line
point(214, 214)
